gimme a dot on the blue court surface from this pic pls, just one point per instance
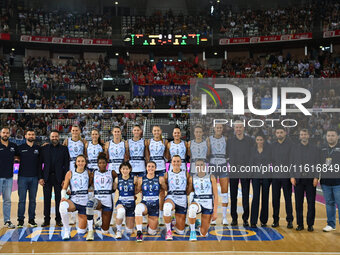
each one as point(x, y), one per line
point(215, 234)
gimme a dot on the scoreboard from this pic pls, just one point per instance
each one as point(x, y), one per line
point(170, 40)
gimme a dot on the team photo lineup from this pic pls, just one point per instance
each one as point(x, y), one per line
point(169, 127)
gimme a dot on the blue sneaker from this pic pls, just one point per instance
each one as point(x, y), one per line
point(197, 223)
point(193, 236)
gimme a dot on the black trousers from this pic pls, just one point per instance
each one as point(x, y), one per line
point(300, 189)
point(260, 186)
point(52, 183)
point(277, 184)
point(245, 184)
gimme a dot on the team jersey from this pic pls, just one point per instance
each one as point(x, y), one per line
point(92, 155)
point(218, 150)
point(116, 155)
point(126, 189)
point(198, 150)
point(137, 158)
point(157, 154)
point(177, 186)
point(103, 187)
point(151, 189)
point(203, 192)
point(75, 149)
point(180, 150)
point(79, 187)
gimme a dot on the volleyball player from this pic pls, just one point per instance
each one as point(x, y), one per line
point(218, 162)
point(92, 149)
point(75, 147)
point(78, 180)
point(178, 183)
point(157, 152)
point(102, 180)
point(178, 147)
point(205, 199)
point(136, 152)
point(150, 185)
point(125, 206)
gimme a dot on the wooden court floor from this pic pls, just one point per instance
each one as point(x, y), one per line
point(226, 240)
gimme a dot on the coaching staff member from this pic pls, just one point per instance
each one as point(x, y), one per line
point(30, 167)
point(307, 155)
point(331, 186)
point(281, 150)
point(56, 160)
point(7, 155)
point(238, 151)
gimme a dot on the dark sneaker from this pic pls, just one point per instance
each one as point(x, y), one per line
point(59, 223)
point(139, 237)
point(32, 224)
point(45, 224)
point(9, 224)
point(20, 224)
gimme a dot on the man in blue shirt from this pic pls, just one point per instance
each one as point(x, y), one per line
point(7, 154)
point(30, 166)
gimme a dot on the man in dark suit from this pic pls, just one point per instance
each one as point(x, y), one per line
point(55, 158)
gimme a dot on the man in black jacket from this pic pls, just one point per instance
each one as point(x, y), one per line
point(55, 158)
point(307, 156)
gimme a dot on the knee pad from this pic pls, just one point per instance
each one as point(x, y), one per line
point(128, 230)
point(140, 208)
point(167, 208)
point(225, 198)
point(91, 206)
point(193, 209)
point(179, 232)
point(120, 213)
point(63, 207)
point(152, 232)
point(81, 231)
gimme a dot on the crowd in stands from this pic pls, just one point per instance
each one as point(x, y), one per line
point(330, 15)
point(4, 20)
point(72, 74)
point(4, 74)
point(165, 24)
point(64, 24)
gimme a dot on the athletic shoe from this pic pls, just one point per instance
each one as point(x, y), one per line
point(161, 222)
point(225, 222)
point(59, 223)
point(90, 236)
point(168, 236)
point(98, 223)
point(66, 235)
point(32, 224)
point(20, 224)
point(328, 229)
point(139, 237)
point(9, 224)
point(118, 235)
point(45, 224)
point(197, 223)
point(213, 222)
point(193, 236)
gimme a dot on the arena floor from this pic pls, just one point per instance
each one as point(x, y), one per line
point(221, 240)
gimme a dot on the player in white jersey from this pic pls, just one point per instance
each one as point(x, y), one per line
point(102, 180)
point(178, 147)
point(75, 147)
point(79, 182)
point(205, 199)
point(116, 150)
point(136, 152)
point(218, 165)
point(198, 148)
point(178, 183)
point(156, 151)
point(92, 150)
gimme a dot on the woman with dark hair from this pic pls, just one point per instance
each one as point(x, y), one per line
point(125, 205)
point(260, 156)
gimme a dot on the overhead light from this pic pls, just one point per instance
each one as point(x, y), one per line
point(127, 39)
point(116, 89)
point(215, 53)
point(127, 53)
point(218, 1)
point(117, 54)
point(116, 3)
point(107, 79)
point(13, 49)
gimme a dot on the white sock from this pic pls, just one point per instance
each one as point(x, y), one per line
point(90, 225)
point(224, 212)
point(119, 228)
point(104, 231)
point(160, 214)
point(192, 227)
point(139, 227)
point(168, 226)
point(66, 221)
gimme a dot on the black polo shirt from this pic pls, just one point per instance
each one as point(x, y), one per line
point(7, 159)
point(333, 155)
point(238, 150)
point(29, 160)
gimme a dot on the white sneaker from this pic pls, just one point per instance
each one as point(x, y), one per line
point(66, 235)
point(213, 222)
point(118, 235)
point(328, 229)
point(225, 222)
point(98, 223)
point(145, 220)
